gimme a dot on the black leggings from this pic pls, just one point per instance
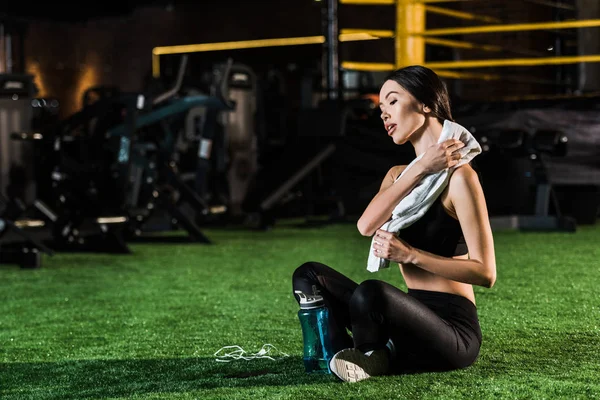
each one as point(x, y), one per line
point(431, 331)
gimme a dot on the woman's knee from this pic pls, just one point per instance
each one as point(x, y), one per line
point(307, 275)
point(367, 296)
point(306, 270)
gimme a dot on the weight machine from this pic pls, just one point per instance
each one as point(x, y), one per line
point(147, 148)
point(536, 147)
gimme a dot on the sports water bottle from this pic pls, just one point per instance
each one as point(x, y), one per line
point(314, 319)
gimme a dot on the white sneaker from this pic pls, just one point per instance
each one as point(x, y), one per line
point(352, 365)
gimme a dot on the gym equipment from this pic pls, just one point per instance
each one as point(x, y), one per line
point(227, 149)
point(536, 147)
point(16, 175)
point(241, 138)
point(86, 200)
point(147, 147)
point(24, 249)
point(112, 165)
point(317, 167)
point(80, 197)
point(19, 145)
point(317, 130)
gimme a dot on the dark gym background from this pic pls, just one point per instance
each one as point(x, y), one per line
point(317, 133)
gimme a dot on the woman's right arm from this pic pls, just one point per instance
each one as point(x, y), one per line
point(437, 158)
point(390, 193)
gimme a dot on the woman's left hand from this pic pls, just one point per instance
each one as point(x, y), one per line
point(387, 245)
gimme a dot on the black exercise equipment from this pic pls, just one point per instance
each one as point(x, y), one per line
point(85, 205)
point(148, 148)
point(79, 198)
point(25, 149)
point(315, 169)
point(23, 249)
point(535, 147)
point(112, 166)
point(17, 93)
point(99, 93)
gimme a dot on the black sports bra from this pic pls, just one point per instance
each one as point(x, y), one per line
point(436, 232)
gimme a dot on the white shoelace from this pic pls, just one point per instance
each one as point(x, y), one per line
point(240, 354)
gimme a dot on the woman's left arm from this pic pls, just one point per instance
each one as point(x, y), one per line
point(469, 203)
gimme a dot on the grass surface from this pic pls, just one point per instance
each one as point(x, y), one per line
point(148, 325)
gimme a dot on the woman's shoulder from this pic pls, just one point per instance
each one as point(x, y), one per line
point(463, 172)
point(464, 179)
point(395, 171)
point(391, 176)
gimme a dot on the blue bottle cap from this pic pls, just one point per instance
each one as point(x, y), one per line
point(310, 301)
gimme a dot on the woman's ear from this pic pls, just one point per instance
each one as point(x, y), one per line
point(426, 109)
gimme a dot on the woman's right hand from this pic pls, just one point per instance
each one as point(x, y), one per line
point(440, 156)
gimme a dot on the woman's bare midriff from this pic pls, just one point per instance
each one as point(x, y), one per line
point(417, 278)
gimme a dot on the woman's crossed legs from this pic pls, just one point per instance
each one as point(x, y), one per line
point(381, 316)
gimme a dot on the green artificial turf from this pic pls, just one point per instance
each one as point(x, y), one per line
point(147, 325)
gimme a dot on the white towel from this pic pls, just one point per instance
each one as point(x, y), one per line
point(414, 205)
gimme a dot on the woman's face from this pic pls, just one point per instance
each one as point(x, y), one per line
point(401, 113)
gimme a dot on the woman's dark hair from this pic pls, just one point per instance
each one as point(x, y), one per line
point(427, 87)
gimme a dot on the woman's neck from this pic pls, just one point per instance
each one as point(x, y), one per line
point(427, 135)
